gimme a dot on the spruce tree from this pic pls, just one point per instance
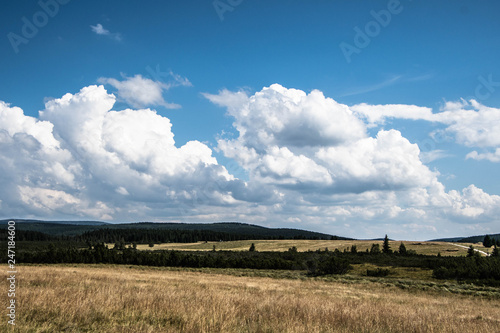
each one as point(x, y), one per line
point(402, 249)
point(495, 251)
point(386, 248)
point(487, 241)
point(470, 251)
point(252, 248)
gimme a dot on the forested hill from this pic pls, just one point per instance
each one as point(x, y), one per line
point(471, 239)
point(230, 230)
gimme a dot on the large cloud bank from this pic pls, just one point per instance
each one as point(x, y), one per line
point(310, 161)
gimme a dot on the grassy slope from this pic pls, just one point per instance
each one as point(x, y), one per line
point(428, 248)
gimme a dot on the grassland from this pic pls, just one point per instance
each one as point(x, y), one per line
point(104, 298)
point(428, 248)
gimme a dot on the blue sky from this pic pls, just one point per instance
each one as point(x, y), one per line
point(214, 59)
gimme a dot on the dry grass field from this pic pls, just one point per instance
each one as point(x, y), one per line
point(105, 298)
point(430, 248)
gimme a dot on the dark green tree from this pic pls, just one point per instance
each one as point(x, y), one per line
point(386, 248)
point(329, 265)
point(252, 248)
point(354, 249)
point(487, 241)
point(402, 249)
point(470, 252)
point(495, 251)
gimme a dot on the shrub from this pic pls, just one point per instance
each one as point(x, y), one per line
point(377, 272)
point(375, 249)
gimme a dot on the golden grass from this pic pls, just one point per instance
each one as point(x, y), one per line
point(429, 248)
point(105, 298)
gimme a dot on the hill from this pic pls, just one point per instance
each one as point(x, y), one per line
point(470, 239)
point(73, 228)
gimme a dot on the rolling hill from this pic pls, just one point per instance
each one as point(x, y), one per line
point(73, 228)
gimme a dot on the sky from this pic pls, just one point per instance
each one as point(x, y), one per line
point(354, 118)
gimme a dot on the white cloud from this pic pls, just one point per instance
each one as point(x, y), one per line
point(288, 137)
point(334, 171)
point(289, 117)
point(81, 158)
point(100, 30)
point(309, 159)
point(492, 157)
point(468, 123)
point(386, 162)
point(377, 114)
point(433, 155)
point(472, 124)
point(138, 91)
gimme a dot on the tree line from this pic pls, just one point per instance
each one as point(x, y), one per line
point(145, 236)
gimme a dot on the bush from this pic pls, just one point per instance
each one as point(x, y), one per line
point(379, 272)
point(252, 248)
point(375, 249)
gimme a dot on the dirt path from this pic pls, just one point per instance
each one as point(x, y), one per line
point(466, 247)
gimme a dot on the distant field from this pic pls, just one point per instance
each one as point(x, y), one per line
point(107, 298)
point(429, 248)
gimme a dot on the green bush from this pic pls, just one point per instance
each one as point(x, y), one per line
point(379, 272)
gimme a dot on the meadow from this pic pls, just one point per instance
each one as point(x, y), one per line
point(119, 298)
point(426, 248)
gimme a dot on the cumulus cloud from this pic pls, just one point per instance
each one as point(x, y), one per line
point(81, 158)
point(492, 157)
point(469, 123)
point(318, 154)
point(288, 137)
point(100, 30)
point(310, 162)
point(472, 123)
point(289, 117)
point(138, 91)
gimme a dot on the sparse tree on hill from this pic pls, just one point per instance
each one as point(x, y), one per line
point(495, 251)
point(402, 249)
point(471, 252)
point(386, 248)
point(487, 241)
